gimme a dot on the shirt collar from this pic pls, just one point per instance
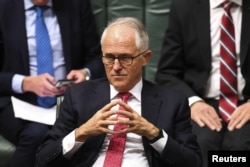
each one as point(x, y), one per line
point(135, 91)
point(28, 4)
point(216, 3)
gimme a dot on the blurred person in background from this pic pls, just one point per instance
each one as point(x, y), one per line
point(68, 31)
point(199, 43)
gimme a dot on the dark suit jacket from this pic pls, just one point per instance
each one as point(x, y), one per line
point(165, 108)
point(185, 62)
point(80, 41)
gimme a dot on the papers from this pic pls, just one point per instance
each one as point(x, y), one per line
point(34, 113)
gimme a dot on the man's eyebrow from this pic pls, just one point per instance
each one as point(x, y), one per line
point(119, 55)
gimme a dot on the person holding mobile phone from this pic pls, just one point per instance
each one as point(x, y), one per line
point(64, 82)
point(72, 43)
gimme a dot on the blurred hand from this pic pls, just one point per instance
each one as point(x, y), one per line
point(239, 117)
point(42, 85)
point(77, 75)
point(205, 115)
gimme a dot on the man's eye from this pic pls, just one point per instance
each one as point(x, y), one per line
point(125, 58)
point(110, 58)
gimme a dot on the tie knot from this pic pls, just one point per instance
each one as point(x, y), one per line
point(124, 96)
point(227, 5)
point(39, 11)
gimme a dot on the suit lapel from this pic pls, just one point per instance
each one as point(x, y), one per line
point(101, 96)
point(245, 33)
point(150, 103)
point(150, 111)
point(62, 11)
point(102, 92)
point(17, 17)
point(202, 24)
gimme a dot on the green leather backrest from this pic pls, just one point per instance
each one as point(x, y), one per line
point(153, 13)
point(6, 151)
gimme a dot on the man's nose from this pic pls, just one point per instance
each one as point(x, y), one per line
point(117, 65)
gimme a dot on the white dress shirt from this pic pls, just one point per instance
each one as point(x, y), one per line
point(213, 83)
point(134, 154)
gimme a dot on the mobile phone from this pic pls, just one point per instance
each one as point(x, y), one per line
point(64, 82)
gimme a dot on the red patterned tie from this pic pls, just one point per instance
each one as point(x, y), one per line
point(117, 141)
point(228, 82)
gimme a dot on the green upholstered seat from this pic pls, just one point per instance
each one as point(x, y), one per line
point(6, 151)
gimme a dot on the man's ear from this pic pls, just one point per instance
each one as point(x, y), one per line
point(146, 57)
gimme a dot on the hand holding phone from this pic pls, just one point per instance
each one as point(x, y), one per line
point(64, 82)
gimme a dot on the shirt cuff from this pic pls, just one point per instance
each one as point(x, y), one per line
point(88, 73)
point(193, 99)
point(69, 145)
point(160, 144)
point(17, 82)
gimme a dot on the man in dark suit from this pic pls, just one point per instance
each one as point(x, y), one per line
point(190, 63)
point(75, 44)
point(156, 119)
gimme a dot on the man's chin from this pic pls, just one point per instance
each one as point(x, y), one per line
point(119, 85)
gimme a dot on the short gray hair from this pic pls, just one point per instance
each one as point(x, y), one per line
point(141, 35)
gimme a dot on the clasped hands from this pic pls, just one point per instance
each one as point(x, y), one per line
point(99, 123)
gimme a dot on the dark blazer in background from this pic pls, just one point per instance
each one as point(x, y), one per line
point(164, 108)
point(80, 42)
point(187, 45)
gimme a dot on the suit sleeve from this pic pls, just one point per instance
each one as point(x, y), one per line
point(91, 38)
point(50, 153)
point(183, 144)
point(171, 66)
point(6, 77)
point(181, 148)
